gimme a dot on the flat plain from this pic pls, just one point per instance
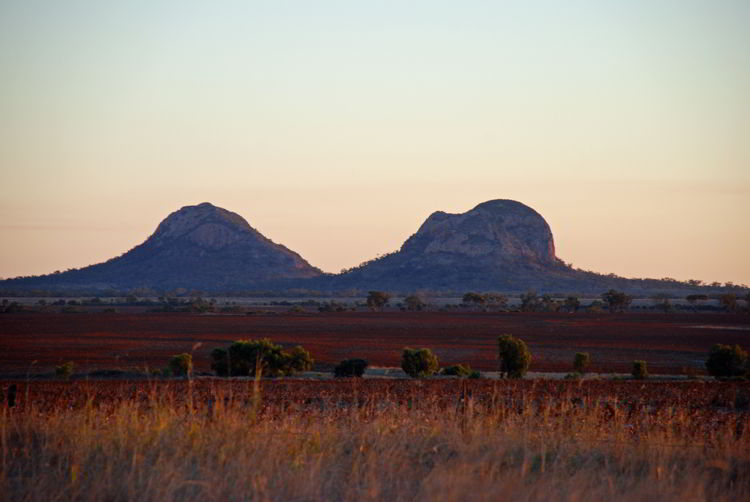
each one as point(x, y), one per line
point(670, 343)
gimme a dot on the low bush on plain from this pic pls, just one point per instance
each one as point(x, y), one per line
point(180, 365)
point(640, 370)
point(350, 368)
point(419, 362)
point(65, 370)
point(725, 361)
point(514, 357)
point(461, 371)
point(581, 362)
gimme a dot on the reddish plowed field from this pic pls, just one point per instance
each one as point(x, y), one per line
point(668, 343)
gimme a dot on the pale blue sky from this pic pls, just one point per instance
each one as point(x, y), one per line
point(336, 127)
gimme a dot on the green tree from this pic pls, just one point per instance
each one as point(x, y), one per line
point(181, 365)
point(581, 362)
point(728, 301)
point(514, 357)
point(640, 370)
point(414, 302)
point(297, 360)
point(65, 370)
point(727, 361)
point(419, 362)
point(616, 300)
point(376, 300)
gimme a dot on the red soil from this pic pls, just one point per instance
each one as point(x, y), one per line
point(669, 343)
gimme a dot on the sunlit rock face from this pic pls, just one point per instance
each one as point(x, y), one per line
point(499, 245)
point(216, 246)
point(500, 231)
point(205, 225)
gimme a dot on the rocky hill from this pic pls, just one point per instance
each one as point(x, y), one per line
point(200, 247)
point(500, 245)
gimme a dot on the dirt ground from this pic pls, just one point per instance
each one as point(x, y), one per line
point(670, 343)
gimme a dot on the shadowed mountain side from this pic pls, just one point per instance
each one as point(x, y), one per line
point(198, 247)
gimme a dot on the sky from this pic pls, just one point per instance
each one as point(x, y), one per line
point(337, 127)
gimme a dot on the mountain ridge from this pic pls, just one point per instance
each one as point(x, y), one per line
point(499, 245)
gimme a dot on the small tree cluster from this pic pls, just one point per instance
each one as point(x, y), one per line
point(514, 357)
point(492, 300)
point(350, 368)
point(725, 361)
point(531, 302)
point(243, 357)
point(419, 362)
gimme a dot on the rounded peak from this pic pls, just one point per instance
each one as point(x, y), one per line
point(188, 218)
point(501, 230)
point(503, 205)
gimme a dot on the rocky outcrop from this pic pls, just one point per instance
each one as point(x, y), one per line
point(498, 231)
point(498, 245)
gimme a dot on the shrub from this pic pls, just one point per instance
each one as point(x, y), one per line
point(65, 370)
point(297, 359)
point(376, 300)
point(727, 361)
point(617, 300)
point(419, 362)
point(640, 371)
point(581, 362)
point(458, 370)
point(241, 358)
point(414, 302)
point(220, 361)
point(514, 357)
point(475, 374)
point(350, 368)
point(181, 365)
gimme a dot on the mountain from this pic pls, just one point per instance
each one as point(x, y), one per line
point(500, 245)
point(200, 247)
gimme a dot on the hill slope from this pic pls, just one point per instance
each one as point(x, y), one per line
point(197, 247)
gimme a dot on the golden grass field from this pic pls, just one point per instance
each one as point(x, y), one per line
point(412, 440)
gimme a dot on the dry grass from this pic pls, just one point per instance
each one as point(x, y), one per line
point(376, 440)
